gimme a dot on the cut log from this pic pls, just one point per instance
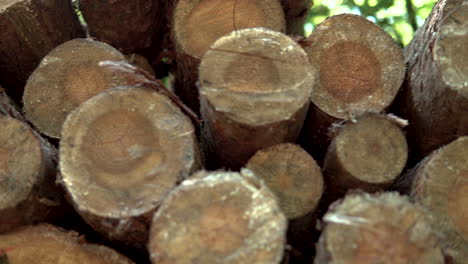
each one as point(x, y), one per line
point(121, 152)
point(66, 77)
point(255, 92)
point(129, 26)
point(218, 217)
point(199, 23)
point(295, 12)
point(29, 30)
point(435, 98)
point(28, 193)
point(45, 244)
point(360, 69)
point(384, 228)
point(140, 61)
point(8, 107)
point(368, 154)
point(440, 183)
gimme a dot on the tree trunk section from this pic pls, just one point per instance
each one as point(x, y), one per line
point(435, 98)
point(440, 184)
point(28, 192)
point(218, 217)
point(29, 30)
point(68, 76)
point(360, 69)
point(44, 244)
point(121, 152)
point(383, 228)
point(198, 24)
point(255, 92)
point(295, 12)
point(368, 154)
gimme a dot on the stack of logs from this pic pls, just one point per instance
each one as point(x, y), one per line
point(265, 147)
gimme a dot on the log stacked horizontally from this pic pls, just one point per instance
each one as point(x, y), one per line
point(260, 147)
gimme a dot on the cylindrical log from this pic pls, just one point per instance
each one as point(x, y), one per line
point(8, 107)
point(360, 69)
point(197, 24)
point(440, 183)
point(28, 192)
point(129, 26)
point(295, 12)
point(46, 244)
point(384, 228)
point(255, 87)
point(29, 30)
point(435, 98)
point(368, 154)
point(65, 78)
point(140, 61)
point(121, 152)
point(218, 217)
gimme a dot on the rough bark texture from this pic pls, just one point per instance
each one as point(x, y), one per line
point(29, 30)
point(129, 26)
point(368, 154)
point(440, 183)
point(360, 69)
point(28, 193)
point(121, 152)
point(295, 12)
point(255, 90)
point(198, 24)
point(65, 78)
point(435, 97)
point(218, 217)
point(384, 228)
point(45, 244)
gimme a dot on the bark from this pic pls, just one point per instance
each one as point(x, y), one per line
point(65, 78)
point(218, 217)
point(359, 69)
point(121, 152)
point(435, 97)
point(129, 26)
point(198, 24)
point(140, 61)
point(255, 90)
point(28, 193)
point(29, 30)
point(440, 184)
point(295, 12)
point(368, 154)
point(45, 244)
point(384, 228)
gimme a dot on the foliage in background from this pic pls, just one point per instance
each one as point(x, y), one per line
point(400, 18)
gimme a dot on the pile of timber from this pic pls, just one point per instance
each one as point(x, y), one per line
point(261, 147)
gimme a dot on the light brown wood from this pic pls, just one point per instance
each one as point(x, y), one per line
point(30, 29)
point(218, 217)
point(360, 69)
point(440, 183)
point(368, 154)
point(140, 61)
point(121, 152)
point(45, 244)
point(255, 86)
point(382, 228)
point(198, 24)
point(66, 77)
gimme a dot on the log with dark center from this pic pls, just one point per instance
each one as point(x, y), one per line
point(121, 152)
point(383, 228)
point(360, 69)
point(45, 244)
point(218, 217)
point(255, 86)
point(198, 24)
point(440, 183)
point(368, 154)
point(66, 77)
point(29, 30)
